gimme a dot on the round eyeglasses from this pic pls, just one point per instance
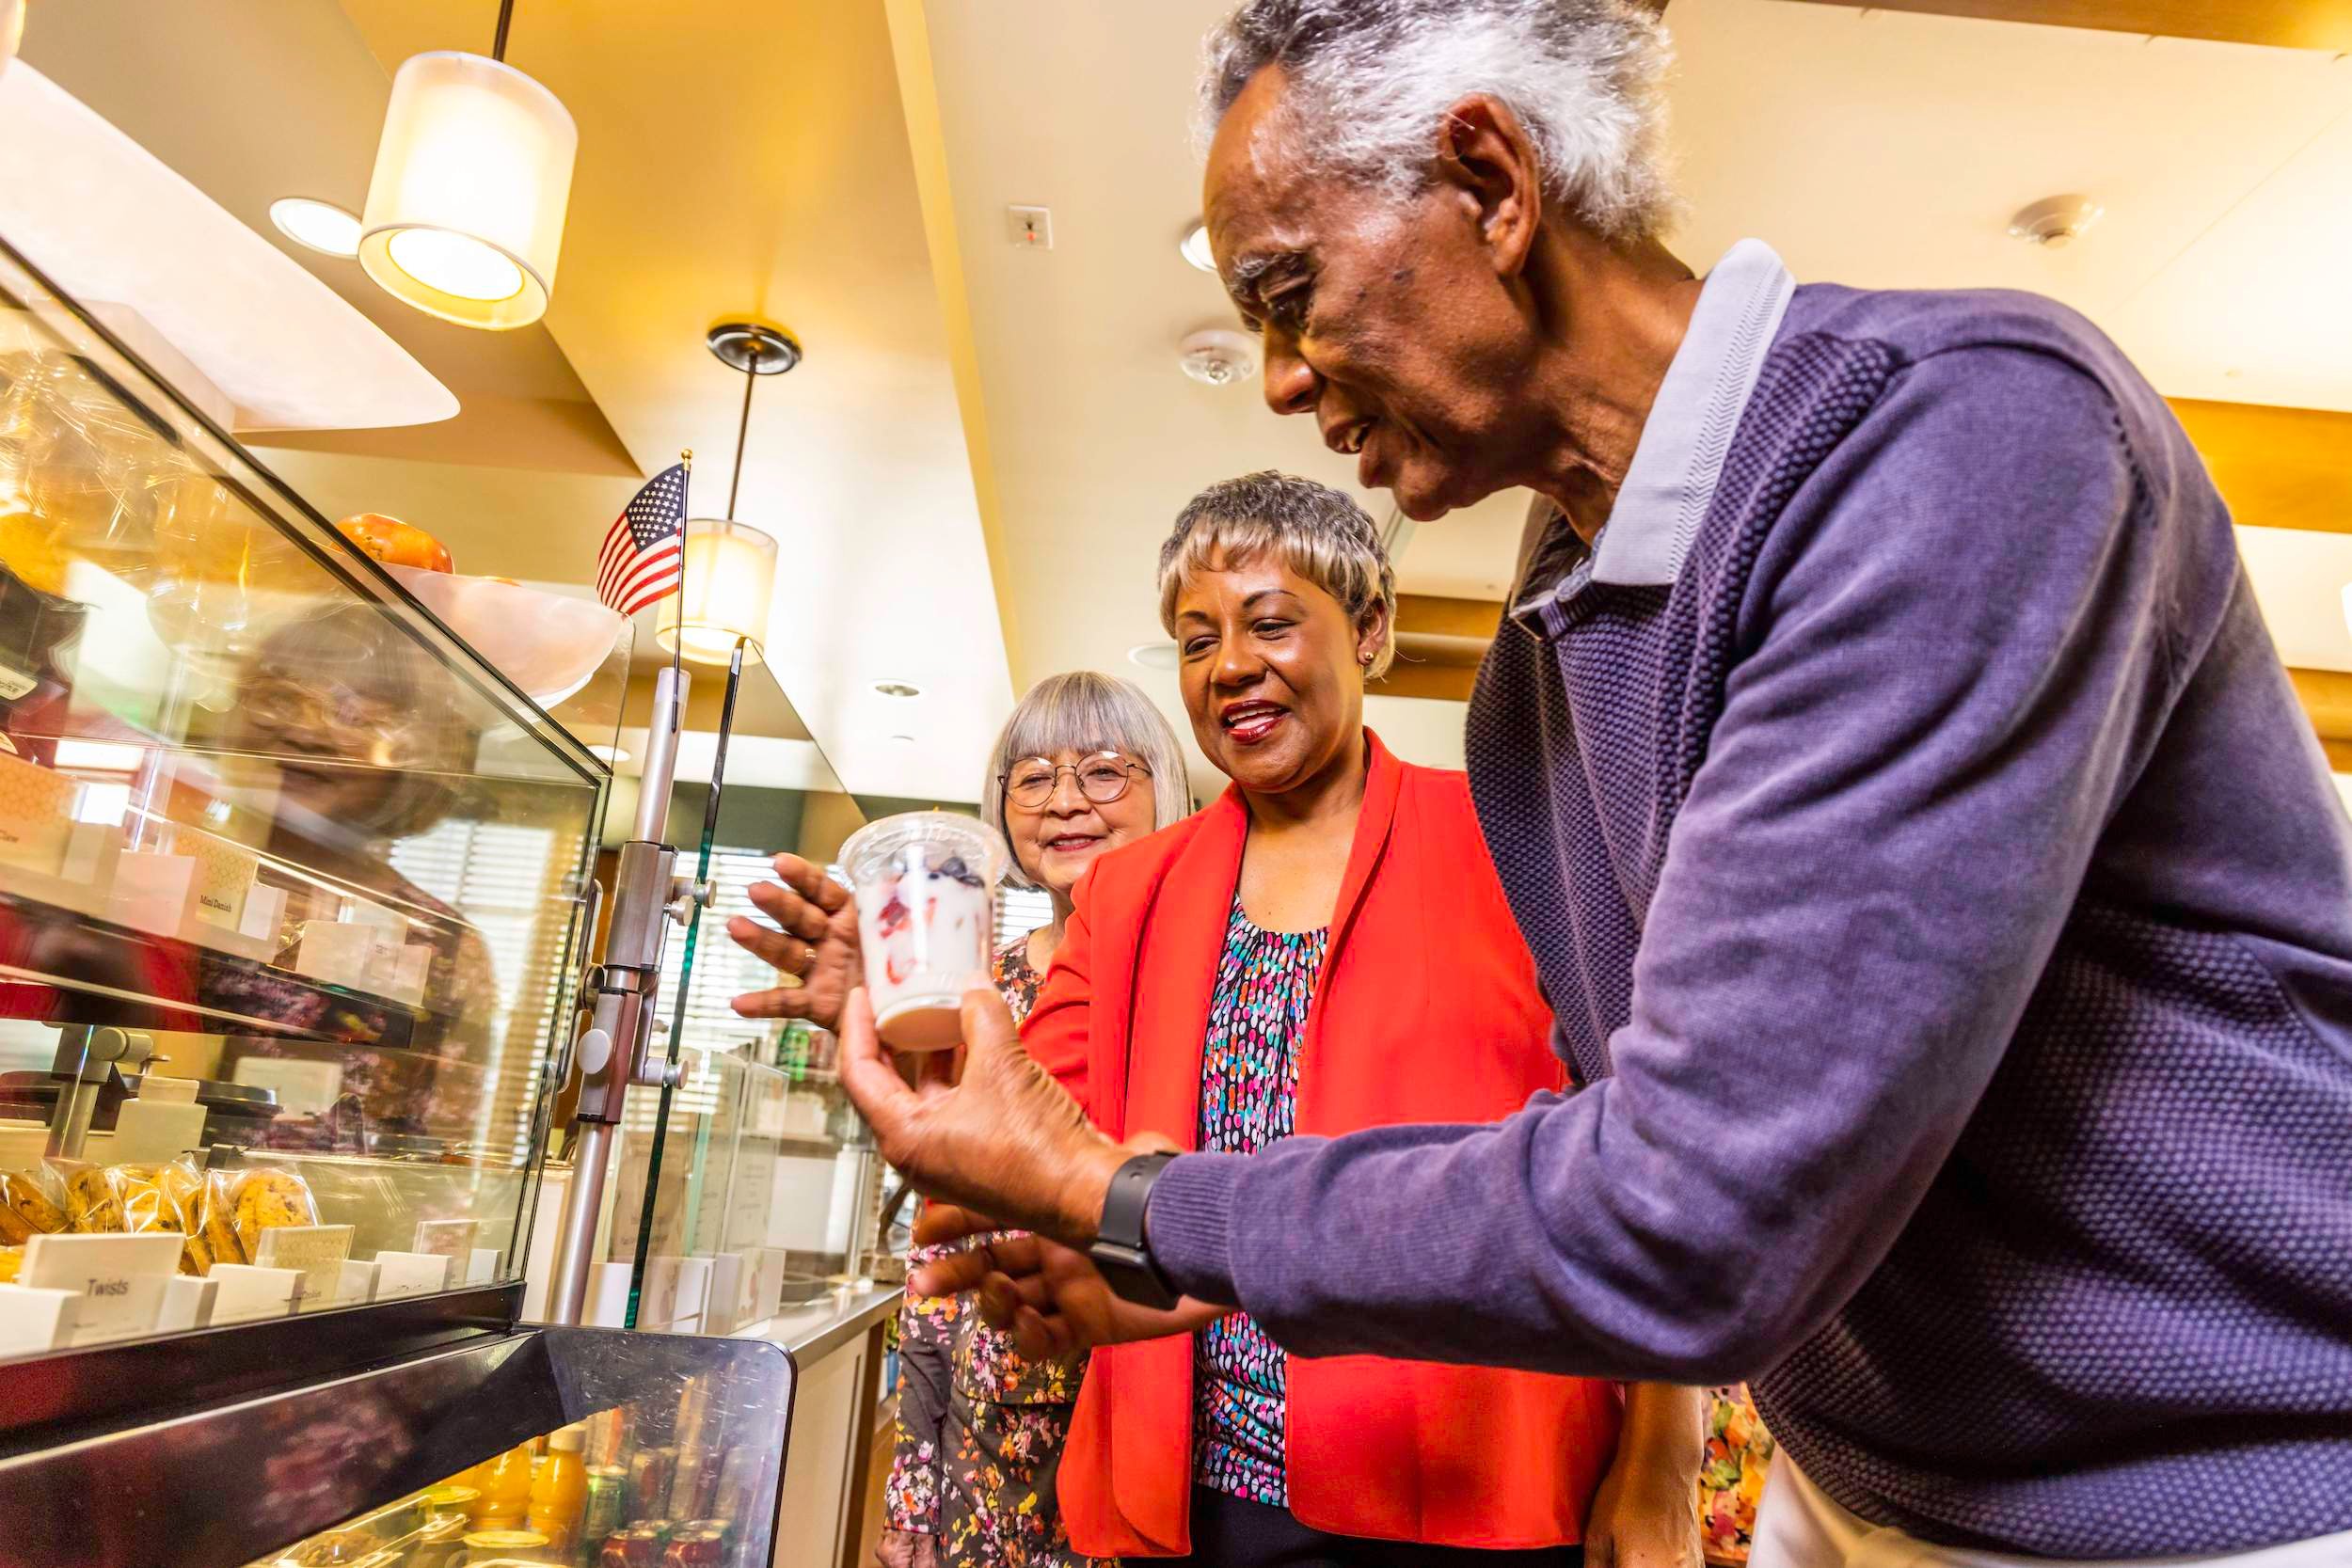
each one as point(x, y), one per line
point(1102, 779)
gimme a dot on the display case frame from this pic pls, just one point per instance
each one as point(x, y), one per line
point(535, 748)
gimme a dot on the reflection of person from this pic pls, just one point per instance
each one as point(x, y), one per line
point(1085, 764)
point(1919, 841)
point(366, 736)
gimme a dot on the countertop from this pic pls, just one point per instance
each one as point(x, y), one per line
point(813, 1330)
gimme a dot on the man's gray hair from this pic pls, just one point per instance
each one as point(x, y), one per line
point(1310, 528)
point(1371, 81)
point(1086, 712)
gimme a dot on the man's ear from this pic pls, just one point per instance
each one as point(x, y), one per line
point(1485, 154)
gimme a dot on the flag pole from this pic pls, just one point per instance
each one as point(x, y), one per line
point(678, 643)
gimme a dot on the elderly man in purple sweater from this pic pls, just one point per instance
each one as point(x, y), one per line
point(1937, 886)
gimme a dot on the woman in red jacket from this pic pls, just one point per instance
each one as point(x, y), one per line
point(1325, 948)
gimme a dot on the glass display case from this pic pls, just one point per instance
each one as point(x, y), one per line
point(291, 878)
point(749, 1187)
point(543, 1447)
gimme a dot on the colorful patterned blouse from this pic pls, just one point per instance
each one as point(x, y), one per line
point(1731, 1476)
point(980, 1426)
point(1265, 981)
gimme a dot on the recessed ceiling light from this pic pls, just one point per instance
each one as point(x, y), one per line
point(613, 754)
point(898, 689)
point(1194, 247)
point(1154, 655)
point(319, 226)
point(902, 740)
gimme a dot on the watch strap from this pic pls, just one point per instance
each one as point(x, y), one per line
point(1120, 1250)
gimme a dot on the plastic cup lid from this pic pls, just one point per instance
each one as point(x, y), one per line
point(878, 845)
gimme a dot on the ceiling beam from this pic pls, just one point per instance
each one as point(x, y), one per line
point(2282, 23)
point(2277, 468)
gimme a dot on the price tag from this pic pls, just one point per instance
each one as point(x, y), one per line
point(357, 1284)
point(187, 1304)
point(121, 1278)
point(445, 1237)
point(245, 1291)
point(314, 1251)
point(34, 1322)
point(410, 1274)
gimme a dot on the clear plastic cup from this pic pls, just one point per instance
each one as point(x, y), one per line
point(926, 885)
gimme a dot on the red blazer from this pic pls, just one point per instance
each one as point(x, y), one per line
point(1426, 1010)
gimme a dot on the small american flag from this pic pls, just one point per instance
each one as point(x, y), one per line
point(642, 558)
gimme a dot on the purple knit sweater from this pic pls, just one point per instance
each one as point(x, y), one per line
point(1947, 899)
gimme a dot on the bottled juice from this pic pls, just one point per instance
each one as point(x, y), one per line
point(558, 1495)
point(505, 1486)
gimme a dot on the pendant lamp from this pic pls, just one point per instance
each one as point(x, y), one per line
point(465, 211)
point(729, 572)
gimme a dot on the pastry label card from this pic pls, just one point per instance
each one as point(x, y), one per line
point(121, 1279)
point(316, 1252)
point(445, 1237)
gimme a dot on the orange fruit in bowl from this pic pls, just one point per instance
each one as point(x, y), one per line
point(395, 543)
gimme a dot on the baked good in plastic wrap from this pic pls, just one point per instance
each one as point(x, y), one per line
point(32, 1203)
point(166, 1199)
point(92, 1207)
point(11, 1262)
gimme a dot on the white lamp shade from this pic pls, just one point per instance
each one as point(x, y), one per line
point(465, 211)
point(730, 575)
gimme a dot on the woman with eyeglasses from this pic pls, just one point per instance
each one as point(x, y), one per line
point(1325, 948)
point(1085, 764)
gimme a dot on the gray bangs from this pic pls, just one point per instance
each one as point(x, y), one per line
point(1084, 712)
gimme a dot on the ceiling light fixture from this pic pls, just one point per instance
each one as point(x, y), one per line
point(2055, 222)
point(902, 740)
point(1194, 247)
point(1156, 655)
point(465, 213)
point(729, 571)
point(1219, 356)
point(613, 754)
point(315, 224)
point(901, 689)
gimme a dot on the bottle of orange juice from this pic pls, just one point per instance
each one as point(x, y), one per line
point(505, 1484)
point(558, 1495)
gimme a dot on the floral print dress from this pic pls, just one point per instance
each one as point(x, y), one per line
point(1265, 982)
point(980, 1426)
point(1731, 1476)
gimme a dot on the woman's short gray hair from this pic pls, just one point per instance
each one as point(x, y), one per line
point(1311, 528)
point(1370, 80)
point(1086, 712)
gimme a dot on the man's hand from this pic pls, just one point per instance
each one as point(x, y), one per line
point(817, 942)
point(1051, 1299)
point(992, 1131)
point(1645, 1514)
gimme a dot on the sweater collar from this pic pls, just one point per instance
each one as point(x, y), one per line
point(1680, 458)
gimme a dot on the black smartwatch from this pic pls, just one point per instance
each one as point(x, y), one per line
point(1120, 1250)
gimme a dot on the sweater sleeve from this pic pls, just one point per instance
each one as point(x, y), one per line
point(1954, 655)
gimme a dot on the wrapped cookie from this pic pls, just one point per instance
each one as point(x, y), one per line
point(91, 1208)
point(32, 1203)
point(184, 1188)
point(161, 1198)
point(217, 1222)
point(266, 1199)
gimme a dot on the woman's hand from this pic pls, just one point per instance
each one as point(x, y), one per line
point(817, 942)
point(1645, 1514)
